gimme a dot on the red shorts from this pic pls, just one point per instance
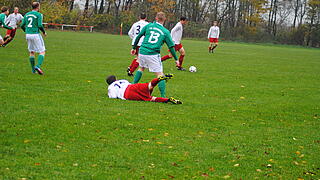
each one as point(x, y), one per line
point(214, 40)
point(11, 32)
point(177, 47)
point(138, 92)
point(137, 50)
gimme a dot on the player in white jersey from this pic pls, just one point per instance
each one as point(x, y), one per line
point(133, 32)
point(176, 34)
point(12, 20)
point(122, 89)
point(213, 36)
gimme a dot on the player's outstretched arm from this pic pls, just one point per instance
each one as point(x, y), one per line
point(3, 22)
point(41, 28)
point(23, 25)
point(170, 45)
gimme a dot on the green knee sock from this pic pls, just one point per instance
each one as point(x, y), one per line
point(137, 77)
point(162, 88)
point(40, 60)
point(31, 59)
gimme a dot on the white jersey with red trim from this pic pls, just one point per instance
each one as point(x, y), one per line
point(116, 89)
point(14, 19)
point(135, 30)
point(176, 33)
point(214, 32)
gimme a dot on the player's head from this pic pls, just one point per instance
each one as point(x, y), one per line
point(183, 20)
point(36, 6)
point(215, 23)
point(143, 16)
point(161, 17)
point(16, 10)
point(111, 79)
point(5, 10)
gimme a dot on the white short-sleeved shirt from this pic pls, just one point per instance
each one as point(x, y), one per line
point(176, 33)
point(214, 32)
point(13, 19)
point(135, 30)
point(116, 89)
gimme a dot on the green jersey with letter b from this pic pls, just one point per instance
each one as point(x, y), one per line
point(155, 35)
point(32, 22)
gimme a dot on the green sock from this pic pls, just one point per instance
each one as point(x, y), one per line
point(31, 59)
point(162, 88)
point(137, 77)
point(40, 60)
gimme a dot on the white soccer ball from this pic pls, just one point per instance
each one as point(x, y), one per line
point(192, 69)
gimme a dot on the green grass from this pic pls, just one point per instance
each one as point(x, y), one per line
point(247, 106)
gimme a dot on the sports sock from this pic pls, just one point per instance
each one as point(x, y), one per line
point(214, 47)
point(162, 88)
point(40, 60)
point(137, 77)
point(165, 57)
point(181, 60)
point(31, 59)
point(134, 65)
point(154, 82)
point(161, 99)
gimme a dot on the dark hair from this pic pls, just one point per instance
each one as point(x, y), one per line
point(183, 18)
point(4, 9)
point(143, 16)
point(111, 79)
point(35, 5)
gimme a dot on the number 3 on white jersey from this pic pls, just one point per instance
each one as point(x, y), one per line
point(154, 37)
point(30, 22)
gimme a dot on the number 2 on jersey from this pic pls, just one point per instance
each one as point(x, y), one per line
point(154, 37)
point(30, 22)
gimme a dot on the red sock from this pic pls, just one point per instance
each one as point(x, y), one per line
point(154, 82)
point(134, 65)
point(165, 57)
point(181, 60)
point(160, 99)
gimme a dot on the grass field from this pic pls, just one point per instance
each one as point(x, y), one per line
point(251, 111)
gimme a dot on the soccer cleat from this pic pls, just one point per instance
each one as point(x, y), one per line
point(165, 77)
point(39, 71)
point(129, 73)
point(181, 69)
point(174, 101)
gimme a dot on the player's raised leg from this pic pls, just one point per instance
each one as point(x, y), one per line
point(181, 58)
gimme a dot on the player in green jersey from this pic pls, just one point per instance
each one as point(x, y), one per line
point(149, 53)
point(3, 15)
point(31, 25)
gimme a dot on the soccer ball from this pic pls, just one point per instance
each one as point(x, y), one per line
point(192, 69)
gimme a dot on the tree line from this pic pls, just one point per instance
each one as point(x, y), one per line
point(278, 21)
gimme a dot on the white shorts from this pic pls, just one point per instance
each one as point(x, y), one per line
point(1, 38)
point(35, 43)
point(153, 62)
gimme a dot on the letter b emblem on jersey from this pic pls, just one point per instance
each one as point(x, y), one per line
point(154, 37)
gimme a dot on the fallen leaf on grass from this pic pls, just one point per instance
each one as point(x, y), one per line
point(145, 140)
point(226, 176)
point(75, 164)
point(298, 152)
point(242, 97)
point(269, 165)
point(94, 165)
point(159, 142)
point(37, 164)
point(236, 165)
point(205, 175)
point(150, 129)
point(27, 141)
point(170, 147)
point(89, 81)
point(258, 170)
point(174, 164)
point(211, 169)
point(170, 176)
point(166, 134)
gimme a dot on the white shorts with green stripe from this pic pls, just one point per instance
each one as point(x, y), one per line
point(35, 43)
point(153, 62)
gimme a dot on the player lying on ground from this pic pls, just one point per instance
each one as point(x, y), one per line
point(176, 34)
point(149, 52)
point(133, 33)
point(213, 36)
point(122, 89)
point(3, 15)
point(13, 20)
point(31, 24)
